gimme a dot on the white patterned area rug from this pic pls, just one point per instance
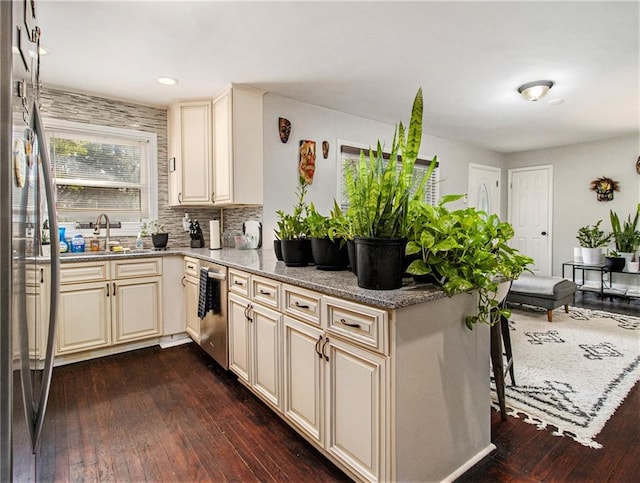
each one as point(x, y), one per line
point(572, 373)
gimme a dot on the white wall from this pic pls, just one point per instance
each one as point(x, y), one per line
point(574, 204)
point(319, 124)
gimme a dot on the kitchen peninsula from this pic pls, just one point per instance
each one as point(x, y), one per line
point(390, 385)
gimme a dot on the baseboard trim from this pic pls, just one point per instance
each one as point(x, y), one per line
point(470, 463)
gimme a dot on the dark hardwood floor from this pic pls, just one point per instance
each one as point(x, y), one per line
point(175, 415)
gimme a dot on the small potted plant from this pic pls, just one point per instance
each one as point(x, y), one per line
point(294, 232)
point(626, 235)
point(592, 239)
point(159, 236)
point(614, 262)
point(329, 252)
point(45, 239)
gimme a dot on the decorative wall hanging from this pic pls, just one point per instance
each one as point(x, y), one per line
point(325, 149)
point(307, 164)
point(604, 188)
point(638, 165)
point(284, 127)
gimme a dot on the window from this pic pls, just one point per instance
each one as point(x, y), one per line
point(100, 169)
point(350, 157)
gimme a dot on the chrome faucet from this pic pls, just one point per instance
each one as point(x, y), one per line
point(96, 229)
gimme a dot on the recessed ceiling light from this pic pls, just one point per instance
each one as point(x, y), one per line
point(167, 81)
point(535, 90)
point(555, 102)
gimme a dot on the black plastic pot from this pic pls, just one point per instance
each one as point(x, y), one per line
point(277, 247)
point(328, 254)
point(379, 262)
point(615, 264)
point(351, 251)
point(297, 252)
point(160, 240)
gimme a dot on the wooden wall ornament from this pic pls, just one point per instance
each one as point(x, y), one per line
point(307, 163)
point(604, 188)
point(638, 165)
point(325, 149)
point(284, 128)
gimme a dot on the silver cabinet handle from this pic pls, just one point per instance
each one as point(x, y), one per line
point(180, 198)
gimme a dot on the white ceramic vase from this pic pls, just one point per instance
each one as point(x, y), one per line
point(633, 267)
point(628, 256)
point(591, 256)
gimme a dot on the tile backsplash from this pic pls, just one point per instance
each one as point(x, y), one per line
point(79, 107)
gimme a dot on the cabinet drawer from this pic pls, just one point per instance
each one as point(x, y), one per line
point(301, 303)
point(239, 282)
point(356, 322)
point(35, 276)
point(147, 267)
point(84, 272)
point(266, 291)
point(191, 267)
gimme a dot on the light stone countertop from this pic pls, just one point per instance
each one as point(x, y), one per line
point(263, 262)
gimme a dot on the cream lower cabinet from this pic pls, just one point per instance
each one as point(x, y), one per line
point(254, 347)
point(335, 393)
point(106, 303)
point(191, 284)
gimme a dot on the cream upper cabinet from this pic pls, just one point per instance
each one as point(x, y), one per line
point(190, 153)
point(238, 146)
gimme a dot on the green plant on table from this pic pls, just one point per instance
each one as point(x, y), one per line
point(626, 235)
point(591, 236)
point(318, 224)
point(294, 225)
point(464, 250)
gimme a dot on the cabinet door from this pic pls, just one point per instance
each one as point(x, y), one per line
point(266, 353)
point(193, 151)
point(355, 406)
point(84, 320)
point(192, 321)
point(303, 383)
point(222, 149)
point(239, 336)
point(136, 308)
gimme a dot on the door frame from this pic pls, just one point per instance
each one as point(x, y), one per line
point(495, 169)
point(549, 169)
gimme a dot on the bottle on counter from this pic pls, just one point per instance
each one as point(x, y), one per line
point(77, 243)
point(139, 242)
point(64, 245)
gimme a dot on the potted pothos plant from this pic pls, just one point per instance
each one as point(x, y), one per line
point(293, 231)
point(329, 250)
point(379, 192)
point(592, 239)
point(159, 235)
point(464, 250)
point(626, 235)
point(614, 262)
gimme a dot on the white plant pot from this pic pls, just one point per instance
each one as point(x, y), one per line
point(577, 254)
point(633, 267)
point(628, 256)
point(592, 256)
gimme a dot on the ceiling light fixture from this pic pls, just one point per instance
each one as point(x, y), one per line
point(167, 81)
point(532, 91)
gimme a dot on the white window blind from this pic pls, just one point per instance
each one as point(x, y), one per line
point(350, 157)
point(99, 169)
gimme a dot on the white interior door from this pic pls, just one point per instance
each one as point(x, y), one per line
point(484, 188)
point(530, 214)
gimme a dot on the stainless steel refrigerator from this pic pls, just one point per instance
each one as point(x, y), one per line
point(29, 276)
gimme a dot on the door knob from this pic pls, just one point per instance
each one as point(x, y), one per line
point(544, 233)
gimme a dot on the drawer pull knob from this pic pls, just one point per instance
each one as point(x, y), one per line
point(301, 306)
point(265, 292)
point(349, 324)
point(236, 282)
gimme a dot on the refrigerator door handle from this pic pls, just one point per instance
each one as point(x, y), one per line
point(49, 187)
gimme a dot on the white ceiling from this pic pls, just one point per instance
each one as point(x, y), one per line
point(368, 59)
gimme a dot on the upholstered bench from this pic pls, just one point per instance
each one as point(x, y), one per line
point(547, 292)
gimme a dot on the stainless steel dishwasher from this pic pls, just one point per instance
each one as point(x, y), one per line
point(214, 327)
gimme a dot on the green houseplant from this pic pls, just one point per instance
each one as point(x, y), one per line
point(592, 238)
point(328, 249)
point(626, 234)
point(159, 235)
point(464, 250)
point(379, 193)
point(293, 231)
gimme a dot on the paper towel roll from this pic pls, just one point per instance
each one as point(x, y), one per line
point(214, 235)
